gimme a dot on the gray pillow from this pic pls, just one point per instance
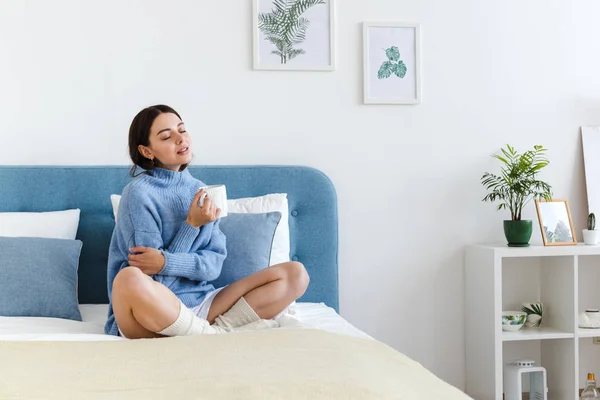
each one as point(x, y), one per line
point(38, 277)
point(249, 237)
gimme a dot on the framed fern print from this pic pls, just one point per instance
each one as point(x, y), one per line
point(294, 35)
point(392, 64)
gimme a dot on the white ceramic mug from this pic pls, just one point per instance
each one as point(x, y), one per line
point(218, 195)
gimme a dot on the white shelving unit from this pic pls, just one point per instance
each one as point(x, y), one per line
point(500, 278)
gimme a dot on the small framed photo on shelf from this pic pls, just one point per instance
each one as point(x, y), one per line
point(294, 35)
point(392, 63)
point(555, 221)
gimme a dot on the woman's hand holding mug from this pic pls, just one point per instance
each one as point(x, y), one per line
point(202, 215)
point(209, 204)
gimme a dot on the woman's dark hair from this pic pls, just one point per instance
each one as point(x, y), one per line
point(139, 134)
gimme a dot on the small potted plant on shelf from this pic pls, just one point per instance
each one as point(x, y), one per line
point(515, 187)
point(591, 235)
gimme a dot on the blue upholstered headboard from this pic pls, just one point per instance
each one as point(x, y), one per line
point(311, 196)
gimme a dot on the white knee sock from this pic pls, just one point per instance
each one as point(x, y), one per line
point(187, 323)
point(239, 315)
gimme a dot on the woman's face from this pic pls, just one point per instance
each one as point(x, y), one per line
point(170, 143)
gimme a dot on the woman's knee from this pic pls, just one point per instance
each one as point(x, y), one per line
point(131, 283)
point(297, 278)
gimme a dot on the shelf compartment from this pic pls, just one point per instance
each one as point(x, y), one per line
point(589, 295)
point(589, 359)
point(550, 280)
point(557, 356)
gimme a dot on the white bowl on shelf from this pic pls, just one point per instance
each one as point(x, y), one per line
point(512, 321)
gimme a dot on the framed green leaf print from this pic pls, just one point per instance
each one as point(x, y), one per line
point(294, 35)
point(392, 58)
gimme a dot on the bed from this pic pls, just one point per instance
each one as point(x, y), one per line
point(315, 353)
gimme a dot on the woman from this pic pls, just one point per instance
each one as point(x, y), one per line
point(165, 247)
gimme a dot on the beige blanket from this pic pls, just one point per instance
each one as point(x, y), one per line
point(274, 364)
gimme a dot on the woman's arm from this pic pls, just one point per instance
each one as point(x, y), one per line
point(202, 265)
point(184, 238)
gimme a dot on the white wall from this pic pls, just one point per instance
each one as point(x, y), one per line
point(74, 73)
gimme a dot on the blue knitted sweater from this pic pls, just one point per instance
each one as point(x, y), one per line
point(152, 213)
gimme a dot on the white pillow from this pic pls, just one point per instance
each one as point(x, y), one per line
point(115, 199)
point(50, 224)
point(280, 249)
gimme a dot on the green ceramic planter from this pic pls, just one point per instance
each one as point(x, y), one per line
point(518, 233)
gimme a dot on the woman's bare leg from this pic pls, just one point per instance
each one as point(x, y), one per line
point(268, 292)
point(142, 306)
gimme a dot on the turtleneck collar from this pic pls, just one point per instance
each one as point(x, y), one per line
point(168, 175)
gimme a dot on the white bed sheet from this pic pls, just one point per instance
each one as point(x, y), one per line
point(91, 328)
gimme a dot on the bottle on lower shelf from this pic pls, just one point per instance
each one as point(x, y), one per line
point(590, 391)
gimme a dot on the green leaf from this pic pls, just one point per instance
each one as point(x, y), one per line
point(296, 31)
point(269, 25)
point(299, 7)
point(385, 71)
point(280, 5)
point(295, 52)
point(501, 159)
point(400, 69)
point(393, 53)
point(278, 43)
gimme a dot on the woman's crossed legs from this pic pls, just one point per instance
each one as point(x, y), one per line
point(143, 307)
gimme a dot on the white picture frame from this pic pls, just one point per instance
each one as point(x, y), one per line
point(314, 49)
point(391, 62)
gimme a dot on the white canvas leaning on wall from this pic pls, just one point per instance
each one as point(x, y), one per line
point(590, 138)
point(391, 52)
point(306, 44)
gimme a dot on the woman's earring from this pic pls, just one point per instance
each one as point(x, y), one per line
point(152, 160)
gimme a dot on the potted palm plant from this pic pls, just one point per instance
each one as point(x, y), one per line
point(515, 187)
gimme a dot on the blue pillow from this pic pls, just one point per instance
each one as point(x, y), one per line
point(249, 238)
point(38, 277)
